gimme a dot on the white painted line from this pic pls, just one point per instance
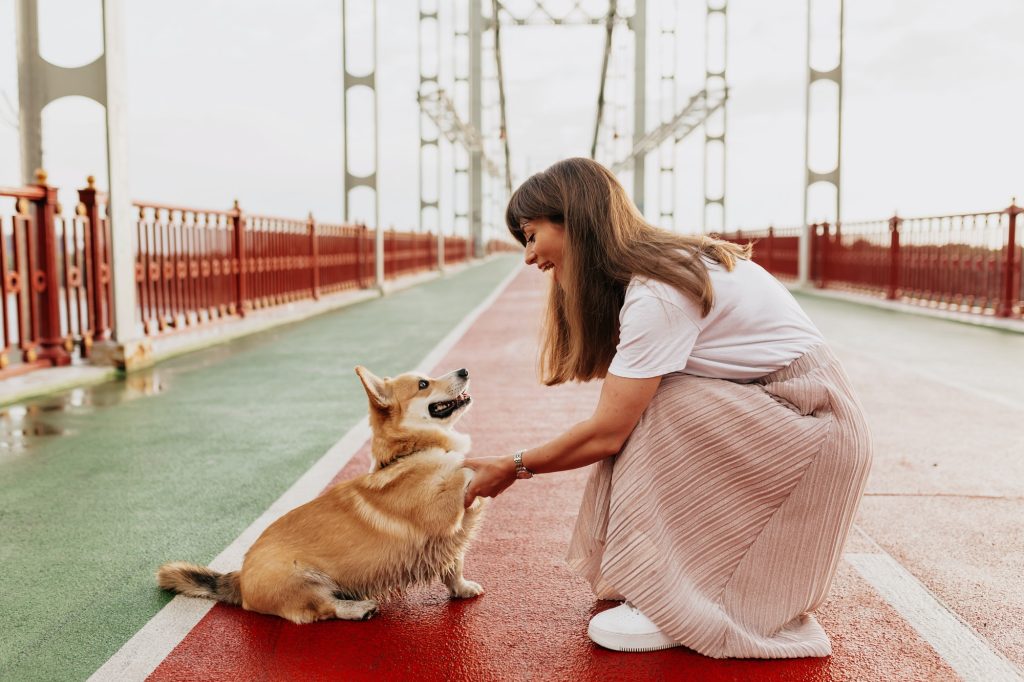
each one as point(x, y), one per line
point(141, 654)
point(955, 641)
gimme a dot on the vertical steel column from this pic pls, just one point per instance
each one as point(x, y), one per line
point(831, 177)
point(667, 106)
point(715, 126)
point(430, 134)
point(349, 180)
point(39, 83)
point(621, 145)
point(460, 99)
point(476, 164)
point(33, 90)
point(495, 134)
point(488, 84)
point(638, 23)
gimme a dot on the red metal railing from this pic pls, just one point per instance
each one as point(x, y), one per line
point(406, 252)
point(194, 265)
point(457, 250)
point(969, 262)
point(55, 273)
point(346, 257)
point(777, 250)
point(502, 246)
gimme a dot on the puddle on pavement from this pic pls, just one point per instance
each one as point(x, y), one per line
point(24, 425)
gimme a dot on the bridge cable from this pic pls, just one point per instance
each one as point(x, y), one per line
point(501, 95)
point(609, 26)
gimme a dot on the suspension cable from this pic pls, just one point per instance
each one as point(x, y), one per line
point(609, 26)
point(501, 95)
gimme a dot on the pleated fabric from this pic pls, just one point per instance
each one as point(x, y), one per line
point(724, 516)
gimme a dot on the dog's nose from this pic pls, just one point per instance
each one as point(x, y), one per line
point(463, 373)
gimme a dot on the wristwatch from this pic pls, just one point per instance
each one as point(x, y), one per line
point(521, 470)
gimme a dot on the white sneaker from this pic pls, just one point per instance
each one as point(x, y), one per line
point(624, 628)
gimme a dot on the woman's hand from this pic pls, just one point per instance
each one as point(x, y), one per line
point(491, 475)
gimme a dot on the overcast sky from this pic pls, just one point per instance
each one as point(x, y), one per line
point(242, 99)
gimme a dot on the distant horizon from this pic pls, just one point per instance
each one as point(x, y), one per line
point(248, 106)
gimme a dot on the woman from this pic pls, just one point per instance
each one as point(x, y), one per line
point(731, 452)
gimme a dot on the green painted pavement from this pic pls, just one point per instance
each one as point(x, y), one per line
point(176, 462)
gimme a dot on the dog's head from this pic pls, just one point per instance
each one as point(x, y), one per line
point(412, 401)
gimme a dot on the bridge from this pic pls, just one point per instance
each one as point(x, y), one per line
point(173, 377)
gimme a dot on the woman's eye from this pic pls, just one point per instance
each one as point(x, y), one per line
point(423, 384)
point(530, 238)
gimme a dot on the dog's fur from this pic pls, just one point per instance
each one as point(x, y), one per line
point(369, 537)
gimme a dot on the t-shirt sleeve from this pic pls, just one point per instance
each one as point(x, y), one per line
point(656, 336)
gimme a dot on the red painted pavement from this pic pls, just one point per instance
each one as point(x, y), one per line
point(531, 622)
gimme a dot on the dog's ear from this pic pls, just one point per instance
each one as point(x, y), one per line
point(376, 390)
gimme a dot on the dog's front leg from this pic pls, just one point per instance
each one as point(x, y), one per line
point(459, 587)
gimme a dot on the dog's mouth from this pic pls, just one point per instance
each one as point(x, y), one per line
point(445, 408)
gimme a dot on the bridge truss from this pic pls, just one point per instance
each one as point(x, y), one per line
point(463, 110)
point(464, 107)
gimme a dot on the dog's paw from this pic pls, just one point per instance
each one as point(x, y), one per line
point(356, 610)
point(465, 589)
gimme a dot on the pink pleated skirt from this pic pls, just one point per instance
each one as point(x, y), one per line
point(724, 516)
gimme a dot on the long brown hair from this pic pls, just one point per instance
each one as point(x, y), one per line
point(606, 243)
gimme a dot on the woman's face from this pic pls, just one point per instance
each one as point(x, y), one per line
point(544, 244)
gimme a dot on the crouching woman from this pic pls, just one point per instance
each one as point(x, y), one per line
point(730, 451)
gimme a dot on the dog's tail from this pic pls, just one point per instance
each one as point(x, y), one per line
point(199, 581)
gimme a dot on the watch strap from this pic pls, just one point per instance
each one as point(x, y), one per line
point(521, 470)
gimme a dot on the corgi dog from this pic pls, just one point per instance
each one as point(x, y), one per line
point(367, 538)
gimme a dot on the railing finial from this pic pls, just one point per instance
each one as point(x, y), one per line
point(41, 176)
point(235, 205)
point(90, 182)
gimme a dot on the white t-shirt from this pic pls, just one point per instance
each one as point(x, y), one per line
point(754, 328)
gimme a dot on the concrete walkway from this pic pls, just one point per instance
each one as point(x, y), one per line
point(929, 590)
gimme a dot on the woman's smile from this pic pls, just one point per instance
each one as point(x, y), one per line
point(544, 241)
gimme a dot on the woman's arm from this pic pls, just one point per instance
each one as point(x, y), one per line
point(602, 435)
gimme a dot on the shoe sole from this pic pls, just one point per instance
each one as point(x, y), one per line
point(629, 644)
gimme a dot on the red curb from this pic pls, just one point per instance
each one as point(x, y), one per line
point(531, 623)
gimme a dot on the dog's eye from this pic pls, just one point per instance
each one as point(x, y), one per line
point(423, 384)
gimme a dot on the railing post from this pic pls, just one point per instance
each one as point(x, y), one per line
point(314, 251)
point(240, 263)
point(99, 273)
point(822, 243)
point(814, 261)
point(360, 238)
point(44, 281)
point(1005, 308)
point(894, 258)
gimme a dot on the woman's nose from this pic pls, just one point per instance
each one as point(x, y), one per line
point(531, 257)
